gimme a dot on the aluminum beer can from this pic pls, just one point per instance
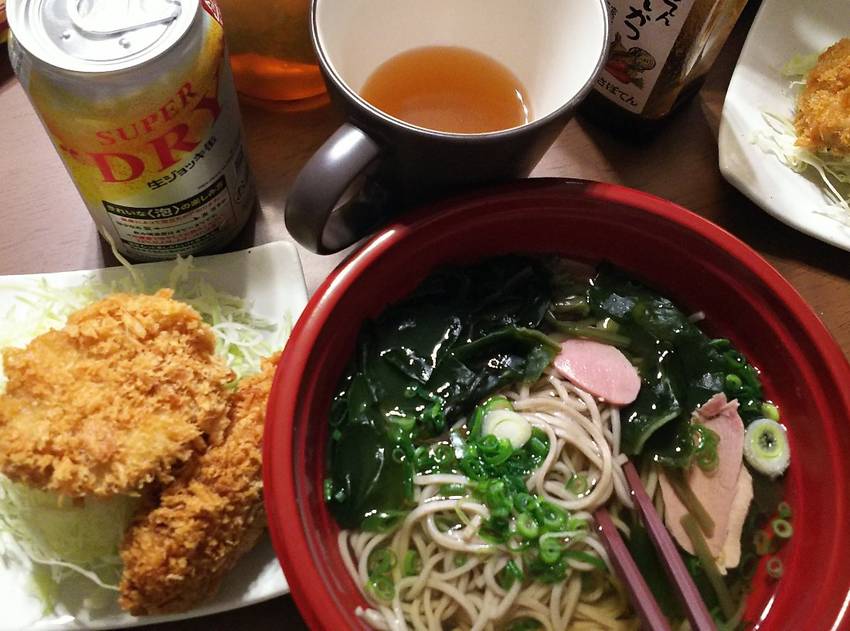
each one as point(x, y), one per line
point(138, 99)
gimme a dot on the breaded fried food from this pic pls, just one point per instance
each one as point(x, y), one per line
point(823, 110)
point(177, 554)
point(125, 392)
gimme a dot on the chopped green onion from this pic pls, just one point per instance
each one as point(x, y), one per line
point(721, 344)
point(782, 528)
point(405, 423)
point(550, 549)
point(499, 402)
point(774, 567)
point(460, 560)
point(526, 526)
point(412, 564)
point(705, 446)
point(328, 489)
point(552, 517)
point(707, 461)
point(769, 410)
point(475, 423)
point(381, 561)
point(382, 521)
point(493, 533)
point(537, 446)
point(761, 541)
point(435, 418)
point(507, 425)
point(502, 453)
point(489, 445)
point(766, 447)
point(577, 484)
point(524, 502)
point(509, 574)
point(783, 509)
point(382, 586)
point(497, 500)
point(442, 453)
point(733, 382)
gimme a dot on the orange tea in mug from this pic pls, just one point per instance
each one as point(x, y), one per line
point(448, 88)
point(270, 50)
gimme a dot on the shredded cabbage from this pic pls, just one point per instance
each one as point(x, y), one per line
point(60, 537)
point(779, 138)
point(242, 338)
point(799, 65)
point(67, 535)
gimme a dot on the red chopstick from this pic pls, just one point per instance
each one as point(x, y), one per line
point(674, 566)
point(642, 599)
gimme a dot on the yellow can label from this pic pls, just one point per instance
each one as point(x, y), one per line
point(160, 164)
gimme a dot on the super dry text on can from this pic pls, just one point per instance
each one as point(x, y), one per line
point(141, 107)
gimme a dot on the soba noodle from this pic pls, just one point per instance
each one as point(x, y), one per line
point(457, 585)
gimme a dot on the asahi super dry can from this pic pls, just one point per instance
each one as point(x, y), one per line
point(138, 99)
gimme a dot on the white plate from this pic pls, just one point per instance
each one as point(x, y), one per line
point(270, 278)
point(782, 29)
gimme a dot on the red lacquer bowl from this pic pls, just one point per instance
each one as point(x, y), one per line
point(685, 257)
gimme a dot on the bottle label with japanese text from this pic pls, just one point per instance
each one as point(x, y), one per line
point(4, 25)
point(643, 33)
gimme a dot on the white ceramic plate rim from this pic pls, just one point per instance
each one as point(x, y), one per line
point(781, 29)
point(275, 287)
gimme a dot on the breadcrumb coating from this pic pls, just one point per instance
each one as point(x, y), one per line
point(128, 390)
point(177, 554)
point(823, 110)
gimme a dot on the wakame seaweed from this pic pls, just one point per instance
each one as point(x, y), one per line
point(466, 332)
point(423, 365)
point(680, 367)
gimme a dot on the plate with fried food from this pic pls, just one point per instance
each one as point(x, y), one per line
point(132, 404)
point(785, 130)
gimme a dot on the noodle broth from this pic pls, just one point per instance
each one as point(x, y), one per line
point(449, 522)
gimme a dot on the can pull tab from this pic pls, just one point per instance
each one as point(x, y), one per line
point(109, 17)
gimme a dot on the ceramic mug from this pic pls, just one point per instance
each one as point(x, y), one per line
point(554, 47)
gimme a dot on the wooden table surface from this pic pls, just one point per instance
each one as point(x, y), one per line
point(46, 228)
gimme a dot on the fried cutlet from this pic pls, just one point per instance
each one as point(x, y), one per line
point(823, 110)
point(125, 392)
point(177, 554)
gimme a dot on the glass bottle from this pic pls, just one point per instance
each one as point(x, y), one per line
point(659, 54)
point(271, 53)
point(4, 25)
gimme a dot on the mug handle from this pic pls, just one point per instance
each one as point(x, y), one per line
point(310, 214)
